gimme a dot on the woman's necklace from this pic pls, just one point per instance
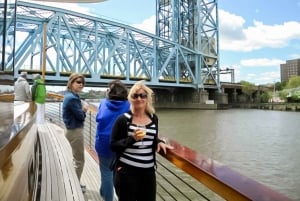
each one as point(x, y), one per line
point(141, 120)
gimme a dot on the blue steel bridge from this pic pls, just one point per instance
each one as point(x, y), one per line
point(183, 52)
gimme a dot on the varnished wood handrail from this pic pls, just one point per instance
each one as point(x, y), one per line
point(59, 97)
point(91, 108)
point(7, 97)
point(224, 181)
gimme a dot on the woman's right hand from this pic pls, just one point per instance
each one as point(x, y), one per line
point(85, 106)
point(139, 134)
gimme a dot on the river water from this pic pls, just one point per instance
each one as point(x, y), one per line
point(261, 144)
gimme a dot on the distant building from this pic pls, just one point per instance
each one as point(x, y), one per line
point(289, 69)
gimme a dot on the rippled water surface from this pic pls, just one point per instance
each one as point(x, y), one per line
point(261, 144)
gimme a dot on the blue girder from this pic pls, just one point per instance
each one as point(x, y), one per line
point(103, 50)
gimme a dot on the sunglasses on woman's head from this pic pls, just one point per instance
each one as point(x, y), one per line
point(141, 95)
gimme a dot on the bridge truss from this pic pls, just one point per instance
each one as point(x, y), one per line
point(57, 42)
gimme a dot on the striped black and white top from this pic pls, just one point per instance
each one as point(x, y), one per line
point(138, 154)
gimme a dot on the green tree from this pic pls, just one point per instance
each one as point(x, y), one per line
point(283, 84)
point(283, 95)
point(293, 82)
point(248, 88)
point(266, 96)
point(279, 86)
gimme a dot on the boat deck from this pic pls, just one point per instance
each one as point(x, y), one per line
point(91, 178)
point(91, 173)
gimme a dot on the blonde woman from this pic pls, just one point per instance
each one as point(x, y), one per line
point(135, 141)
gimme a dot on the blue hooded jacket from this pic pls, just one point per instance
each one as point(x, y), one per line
point(108, 112)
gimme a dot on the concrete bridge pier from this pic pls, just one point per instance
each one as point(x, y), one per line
point(185, 98)
point(235, 94)
point(221, 98)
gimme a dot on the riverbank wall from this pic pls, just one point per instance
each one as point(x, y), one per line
point(268, 106)
point(295, 107)
point(186, 106)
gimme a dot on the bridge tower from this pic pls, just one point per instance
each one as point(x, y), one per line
point(194, 25)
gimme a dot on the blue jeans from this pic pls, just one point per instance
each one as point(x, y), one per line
point(107, 186)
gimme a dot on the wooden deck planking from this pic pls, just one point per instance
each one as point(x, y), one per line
point(91, 178)
point(51, 187)
point(69, 176)
point(91, 173)
point(45, 192)
point(59, 181)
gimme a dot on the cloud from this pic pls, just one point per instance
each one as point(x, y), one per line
point(261, 78)
point(68, 6)
point(295, 56)
point(147, 25)
point(251, 75)
point(261, 62)
point(268, 77)
point(231, 26)
point(255, 76)
point(235, 37)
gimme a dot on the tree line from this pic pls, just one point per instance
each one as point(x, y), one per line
point(286, 91)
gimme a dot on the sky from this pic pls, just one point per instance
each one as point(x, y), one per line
point(256, 36)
